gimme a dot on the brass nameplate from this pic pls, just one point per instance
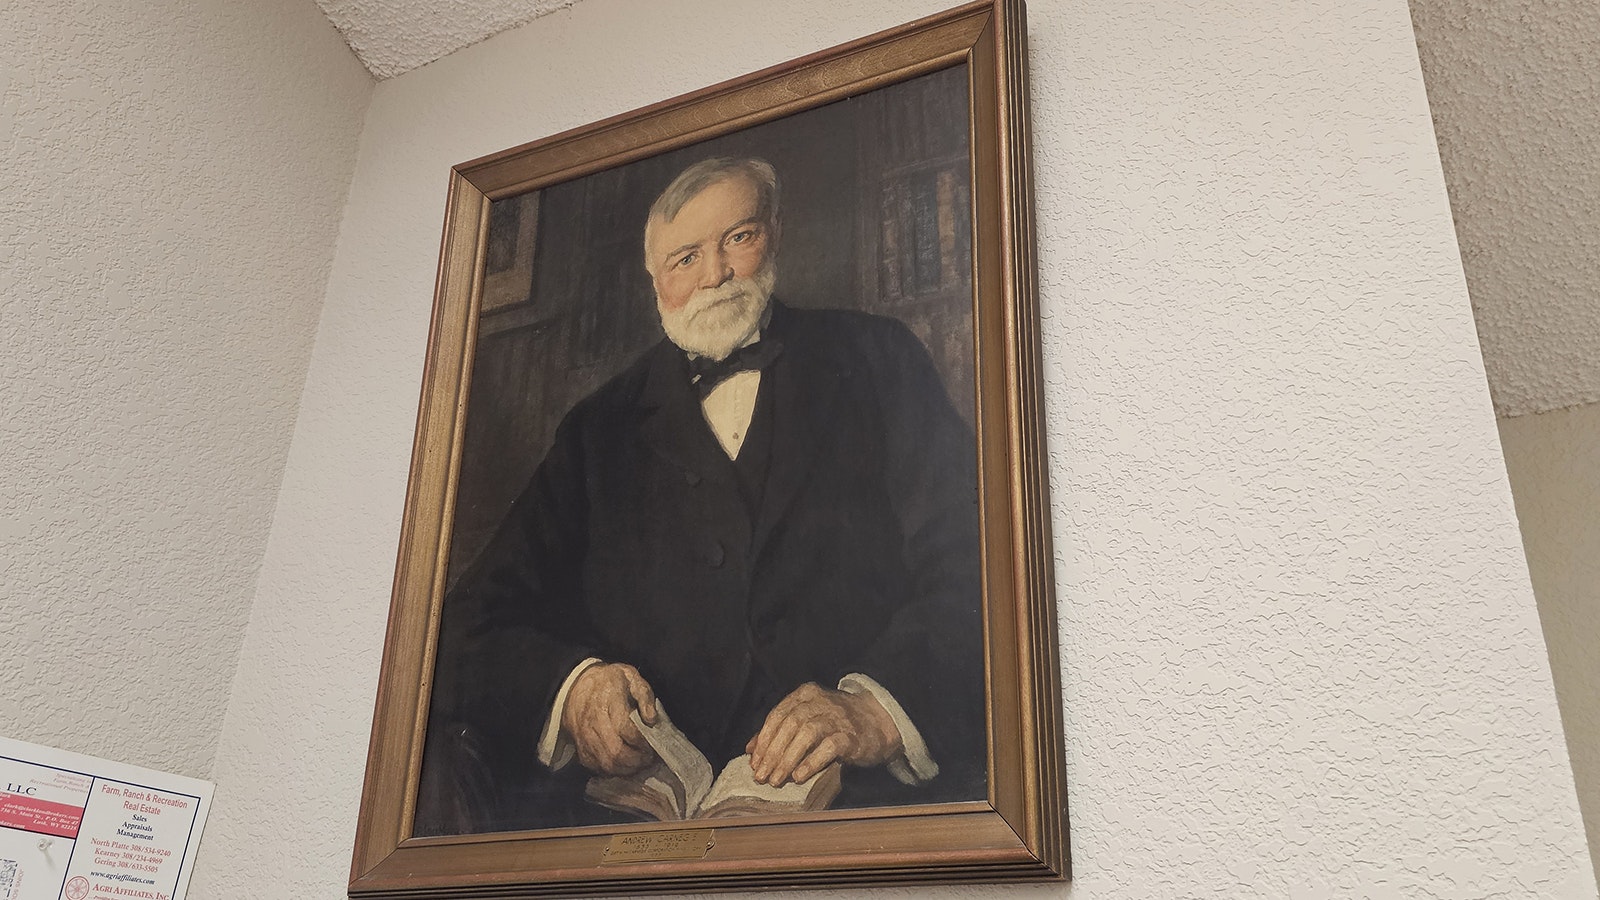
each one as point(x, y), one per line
point(653, 846)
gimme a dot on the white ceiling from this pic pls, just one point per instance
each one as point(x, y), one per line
point(1515, 92)
point(395, 36)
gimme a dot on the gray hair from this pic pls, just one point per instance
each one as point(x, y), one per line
point(703, 174)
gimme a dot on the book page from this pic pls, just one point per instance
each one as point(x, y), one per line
point(682, 757)
point(739, 780)
point(667, 786)
point(654, 792)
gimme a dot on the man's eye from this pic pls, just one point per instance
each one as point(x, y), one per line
point(741, 237)
point(687, 260)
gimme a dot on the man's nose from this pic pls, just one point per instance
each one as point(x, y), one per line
point(718, 268)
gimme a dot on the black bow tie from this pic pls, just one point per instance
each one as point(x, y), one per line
point(706, 373)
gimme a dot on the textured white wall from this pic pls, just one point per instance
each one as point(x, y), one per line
point(1554, 462)
point(172, 175)
point(1301, 654)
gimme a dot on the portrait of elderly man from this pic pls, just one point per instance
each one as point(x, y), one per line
point(766, 525)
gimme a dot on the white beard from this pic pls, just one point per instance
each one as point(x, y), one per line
point(717, 321)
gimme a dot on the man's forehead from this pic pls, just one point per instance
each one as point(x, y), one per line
point(722, 203)
point(733, 189)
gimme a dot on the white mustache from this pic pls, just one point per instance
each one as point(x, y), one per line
point(703, 300)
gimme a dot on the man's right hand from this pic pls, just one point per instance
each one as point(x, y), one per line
point(596, 717)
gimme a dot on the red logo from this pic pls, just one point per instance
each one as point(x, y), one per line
point(77, 887)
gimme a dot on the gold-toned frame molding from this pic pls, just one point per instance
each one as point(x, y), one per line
point(1021, 831)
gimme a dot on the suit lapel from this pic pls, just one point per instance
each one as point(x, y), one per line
point(805, 384)
point(674, 425)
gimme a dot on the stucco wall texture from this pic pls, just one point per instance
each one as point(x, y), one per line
point(1300, 652)
point(1554, 462)
point(172, 175)
point(1514, 88)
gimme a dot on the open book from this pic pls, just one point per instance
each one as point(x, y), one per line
point(679, 784)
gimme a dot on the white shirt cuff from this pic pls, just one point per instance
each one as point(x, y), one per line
point(555, 747)
point(914, 765)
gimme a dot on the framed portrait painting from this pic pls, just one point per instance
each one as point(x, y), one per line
point(724, 561)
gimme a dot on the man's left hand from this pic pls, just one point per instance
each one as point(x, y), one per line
point(813, 727)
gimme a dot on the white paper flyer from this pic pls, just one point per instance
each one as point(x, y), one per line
point(74, 827)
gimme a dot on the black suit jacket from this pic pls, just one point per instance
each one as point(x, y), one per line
point(637, 541)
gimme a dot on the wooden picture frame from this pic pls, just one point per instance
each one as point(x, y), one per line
point(981, 234)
